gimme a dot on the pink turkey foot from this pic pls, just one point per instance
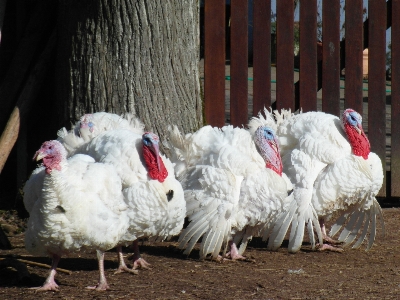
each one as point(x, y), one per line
point(50, 284)
point(328, 247)
point(122, 266)
point(102, 284)
point(233, 254)
point(331, 244)
point(124, 269)
point(331, 241)
point(138, 262)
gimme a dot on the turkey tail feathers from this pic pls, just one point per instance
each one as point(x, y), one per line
point(215, 233)
point(298, 226)
point(280, 229)
point(352, 236)
point(358, 217)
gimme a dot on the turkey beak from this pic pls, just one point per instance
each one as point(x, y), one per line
point(274, 145)
point(156, 151)
point(358, 129)
point(39, 156)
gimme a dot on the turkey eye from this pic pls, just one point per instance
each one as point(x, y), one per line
point(147, 141)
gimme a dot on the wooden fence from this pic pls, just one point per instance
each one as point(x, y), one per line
point(314, 75)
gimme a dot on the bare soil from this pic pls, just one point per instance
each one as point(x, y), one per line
point(353, 274)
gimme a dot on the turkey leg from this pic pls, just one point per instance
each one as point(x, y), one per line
point(50, 284)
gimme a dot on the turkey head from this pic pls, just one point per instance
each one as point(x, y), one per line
point(352, 125)
point(268, 146)
point(151, 154)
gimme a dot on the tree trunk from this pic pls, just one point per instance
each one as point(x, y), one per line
point(130, 56)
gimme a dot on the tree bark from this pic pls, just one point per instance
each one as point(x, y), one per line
point(130, 56)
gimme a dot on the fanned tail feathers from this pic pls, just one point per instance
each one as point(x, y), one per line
point(211, 206)
point(354, 219)
point(206, 222)
point(298, 222)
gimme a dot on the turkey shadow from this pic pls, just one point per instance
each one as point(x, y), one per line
point(11, 277)
point(73, 263)
point(164, 249)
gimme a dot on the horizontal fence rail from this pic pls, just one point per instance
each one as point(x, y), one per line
point(332, 65)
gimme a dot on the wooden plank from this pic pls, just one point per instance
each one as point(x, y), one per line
point(28, 94)
point(331, 57)
point(377, 82)
point(261, 55)
point(214, 62)
point(285, 55)
point(37, 28)
point(354, 52)
point(308, 55)
point(395, 124)
point(22, 17)
point(239, 62)
point(2, 11)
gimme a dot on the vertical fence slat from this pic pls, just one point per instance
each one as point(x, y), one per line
point(331, 57)
point(308, 55)
point(377, 82)
point(239, 62)
point(214, 62)
point(395, 148)
point(261, 55)
point(354, 52)
point(285, 54)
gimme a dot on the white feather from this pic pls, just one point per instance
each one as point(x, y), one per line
point(326, 175)
point(78, 207)
point(230, 194)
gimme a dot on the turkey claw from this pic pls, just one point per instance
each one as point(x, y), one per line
point(327, 247)
point(141, 264)
point(123, 269)
point(331, 241)
point(52, 286)
point(99, 287)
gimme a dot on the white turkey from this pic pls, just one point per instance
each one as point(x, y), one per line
point(233, 186)
point(74, 204)
point(91, 125)
point(332, 169)
point(156, 205)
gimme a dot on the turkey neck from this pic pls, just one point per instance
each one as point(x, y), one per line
point(155, 165)
point(358, 141)
point(55, 185)
point(272, 158)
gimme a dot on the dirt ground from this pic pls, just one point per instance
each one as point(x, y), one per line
point(353, 274)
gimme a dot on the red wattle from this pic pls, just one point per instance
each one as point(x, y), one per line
point(51, 163)
point(359, 142)
point(152, 167)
